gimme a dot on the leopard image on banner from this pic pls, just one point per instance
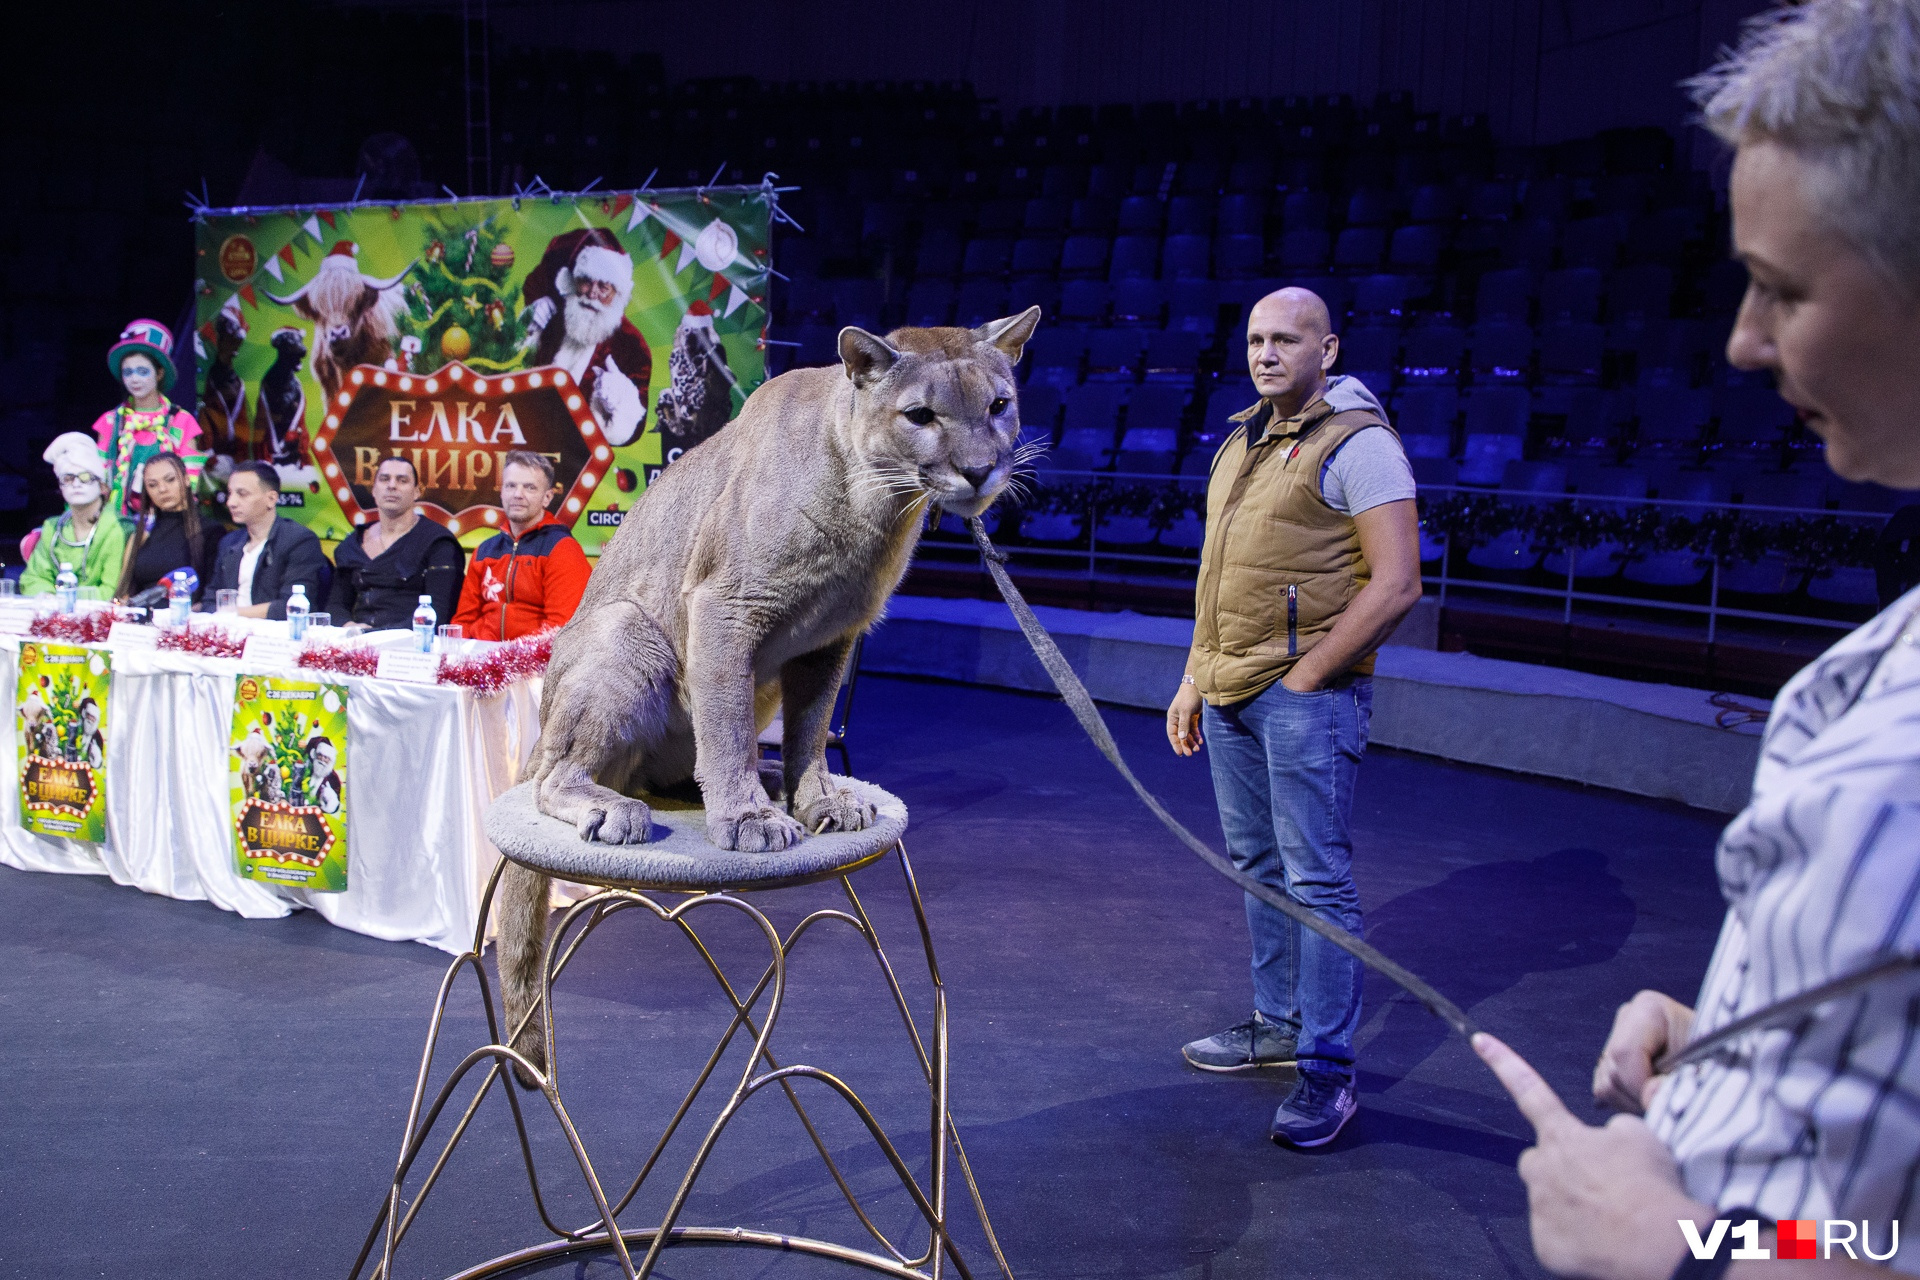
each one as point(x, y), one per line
point(60, 728)
point(286, 773)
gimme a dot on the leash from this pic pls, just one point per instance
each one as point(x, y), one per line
point(1784, 1011)
point(1081, 703)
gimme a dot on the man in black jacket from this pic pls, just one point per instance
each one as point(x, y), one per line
point(266, 555)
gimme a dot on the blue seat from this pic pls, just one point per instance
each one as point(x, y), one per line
point(1424, 417)
point(1134, 256)
point(1434, 353)
point(1570, 295)
point(938, 254)
point(1505, 295)
point(1244, 214)
point(1093, 410)
point(1752, 417)
point(1039, 410)
point(1173, 355)
point(1490, 200)
point(1433, 203)
point(1082, 449)
point(1502, 411)
point(1185, 256)
point(979, 302)
point(1530, 243)
point(1190, 215)
point(987, 257)
point(1141, 215)
point(1384, 296)
point(1239, 257)
point(1305, 248)
point(1305, 210)
point(1113, 354)
point(1360, 248)
point(1640, 293)
point(929, 302)
point(819, 345)
point(1370, 207)
point(1417, 247)
point(1046, 214)
point(1146, 450)
point(1591, 242)
point(859, 301)
point(1156, 406)
point(1223, 402)
point(1036, 256)
point(1603, 559)
point(1571, 354)
point(1138, 302)
point(1033, 291)
point(1095, 214)
point(1084, 255)
point(1502, 352)
point(1084, 301)
point(1193, 305)
point(1369, 347)
point(1673, 417)
point(1680, 568)
point(1055, 355)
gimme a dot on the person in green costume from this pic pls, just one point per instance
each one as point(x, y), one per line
point(86, 537)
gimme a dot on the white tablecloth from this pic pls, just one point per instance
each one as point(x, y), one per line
point(423, 763)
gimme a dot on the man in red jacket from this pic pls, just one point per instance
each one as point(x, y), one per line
point(531, 577)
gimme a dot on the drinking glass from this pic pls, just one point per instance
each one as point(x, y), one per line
point(319, 620)
point(9, 587)
point(450, 636)
point(226, 601)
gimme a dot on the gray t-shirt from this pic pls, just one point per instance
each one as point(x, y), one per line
point(1369, 470)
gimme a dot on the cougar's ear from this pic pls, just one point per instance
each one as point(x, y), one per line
point(1010, 334)
point(867, 358)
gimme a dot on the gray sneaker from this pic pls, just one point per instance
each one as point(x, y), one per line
point(1254, 1044)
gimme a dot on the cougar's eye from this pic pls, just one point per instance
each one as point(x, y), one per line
point(999, 406)
point(920, 416)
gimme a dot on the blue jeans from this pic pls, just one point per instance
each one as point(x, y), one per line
point(1283, 771)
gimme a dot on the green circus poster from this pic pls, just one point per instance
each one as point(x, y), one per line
point(608, 331)
point(60, 728)
point(286, 773)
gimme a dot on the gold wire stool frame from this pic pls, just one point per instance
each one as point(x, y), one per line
point(395, 1215)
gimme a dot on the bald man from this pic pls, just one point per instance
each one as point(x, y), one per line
point(1311, 560)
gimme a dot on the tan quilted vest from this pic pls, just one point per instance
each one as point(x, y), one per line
point(1279, 565)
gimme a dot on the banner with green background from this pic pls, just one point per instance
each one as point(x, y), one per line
point(60, 737)
point(609, 332)
point(286, 775)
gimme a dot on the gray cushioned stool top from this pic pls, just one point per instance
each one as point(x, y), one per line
point(679, 855)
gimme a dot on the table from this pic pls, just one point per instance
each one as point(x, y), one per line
point(423, 763)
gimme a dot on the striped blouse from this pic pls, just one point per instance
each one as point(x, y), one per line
point(1819, 1118)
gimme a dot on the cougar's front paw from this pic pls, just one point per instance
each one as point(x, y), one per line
point(837, 810)
point(755, 831)
point(623, 821)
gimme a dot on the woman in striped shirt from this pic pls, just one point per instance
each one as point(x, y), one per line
point(1817, 1118)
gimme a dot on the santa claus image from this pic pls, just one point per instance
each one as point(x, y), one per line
point(577, 319)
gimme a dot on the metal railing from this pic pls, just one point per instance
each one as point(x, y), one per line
point(1090, 497)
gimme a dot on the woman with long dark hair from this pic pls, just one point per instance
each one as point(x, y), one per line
point(168, 532)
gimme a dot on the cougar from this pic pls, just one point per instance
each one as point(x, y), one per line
point(738, 584)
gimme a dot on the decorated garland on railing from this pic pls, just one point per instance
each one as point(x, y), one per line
point(73, 628)
point(1817, 543)
point(1807, 542)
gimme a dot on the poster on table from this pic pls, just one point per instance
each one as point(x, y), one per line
point(60, 736)
point(286, 775)
point(610, 332)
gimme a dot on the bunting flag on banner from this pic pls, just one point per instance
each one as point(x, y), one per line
point(639, 215)
point(273, 268)
point(312, 227)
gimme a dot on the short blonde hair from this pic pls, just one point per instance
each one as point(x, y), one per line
point(1838, 83)
point(528, 458)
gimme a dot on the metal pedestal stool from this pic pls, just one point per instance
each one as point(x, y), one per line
point(680, 861)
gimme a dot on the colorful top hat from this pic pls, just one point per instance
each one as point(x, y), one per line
point(150, 338)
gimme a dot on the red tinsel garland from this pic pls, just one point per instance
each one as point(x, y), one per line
point(488, 673)
point(90, 627)
point(207, 642)
point(342, 659)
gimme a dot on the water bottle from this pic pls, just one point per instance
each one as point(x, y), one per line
point(423, 624)
point(297, 613)
point(179, 599)
point(67, 588)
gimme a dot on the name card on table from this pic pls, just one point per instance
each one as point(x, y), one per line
point(272, 651)
point(16, 619)
point(132, 635)
point(409, 664)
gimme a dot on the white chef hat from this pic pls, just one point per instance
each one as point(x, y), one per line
point(74, 451)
